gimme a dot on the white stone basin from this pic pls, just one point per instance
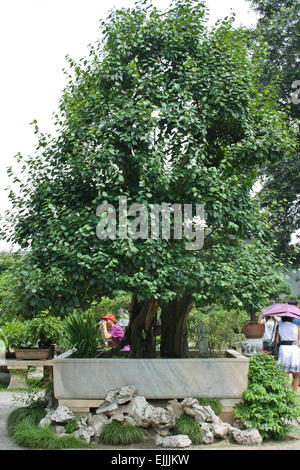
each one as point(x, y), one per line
point(91, 379)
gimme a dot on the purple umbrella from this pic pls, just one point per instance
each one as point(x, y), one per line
point(282, 310)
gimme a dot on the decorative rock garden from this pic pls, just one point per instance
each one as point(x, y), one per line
point(126, 407)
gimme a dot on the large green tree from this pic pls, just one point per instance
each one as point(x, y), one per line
point(163, 110)
point(279, 27)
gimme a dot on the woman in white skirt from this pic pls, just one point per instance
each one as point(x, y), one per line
point(289, 351)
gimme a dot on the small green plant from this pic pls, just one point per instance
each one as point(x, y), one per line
point(117, 433)
point(186, 424)
point(82, 334)
point(72, 425)
point(269, 402)
point(214, 403)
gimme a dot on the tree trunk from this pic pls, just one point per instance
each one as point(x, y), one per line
point(174, 316)
point(139, 333)
point(252, 315)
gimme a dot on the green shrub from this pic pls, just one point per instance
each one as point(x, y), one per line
point(82, 334)
point(39, 331)
point(214, 403)
point(45, 329)
point(186, 424)
point(117, 433)
point(17, 334)
point(223, 328)
point(269, 401)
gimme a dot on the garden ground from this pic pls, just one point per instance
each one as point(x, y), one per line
point(6, 443)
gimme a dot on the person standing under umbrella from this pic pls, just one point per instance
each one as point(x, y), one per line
point(289, 352)
point(270, 323)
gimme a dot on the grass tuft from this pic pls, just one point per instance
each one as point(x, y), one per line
point(29, 435)
point(33, 414)
point(186, 424)
point(117, 433)
point(214, 403)
point(22, 426)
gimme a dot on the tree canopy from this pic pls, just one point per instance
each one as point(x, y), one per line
point(162, 110)
point(279, 28)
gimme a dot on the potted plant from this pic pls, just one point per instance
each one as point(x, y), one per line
point(253, 329)
point(16, 334)
point(45, 330)
point(31, 339)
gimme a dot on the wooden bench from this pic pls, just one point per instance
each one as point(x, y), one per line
point(14, 367)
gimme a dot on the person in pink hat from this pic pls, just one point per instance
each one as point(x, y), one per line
point(111, 331)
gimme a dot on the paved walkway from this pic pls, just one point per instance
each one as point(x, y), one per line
point(7, 405)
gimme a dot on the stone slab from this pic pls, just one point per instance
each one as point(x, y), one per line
point(79, 409)
point(13, 363)
point(81, 403)
point(232, 353)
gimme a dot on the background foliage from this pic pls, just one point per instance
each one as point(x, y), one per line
point(223, 329)
point(278, 29)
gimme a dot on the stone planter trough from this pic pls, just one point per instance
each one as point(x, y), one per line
point(33, 353)
point(85, 382)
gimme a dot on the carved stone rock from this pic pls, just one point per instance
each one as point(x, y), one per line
point(62, 414)
point(249, 437)
point(181, 440)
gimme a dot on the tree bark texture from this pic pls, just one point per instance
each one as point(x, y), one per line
point(174, 316)
point(139, 333)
